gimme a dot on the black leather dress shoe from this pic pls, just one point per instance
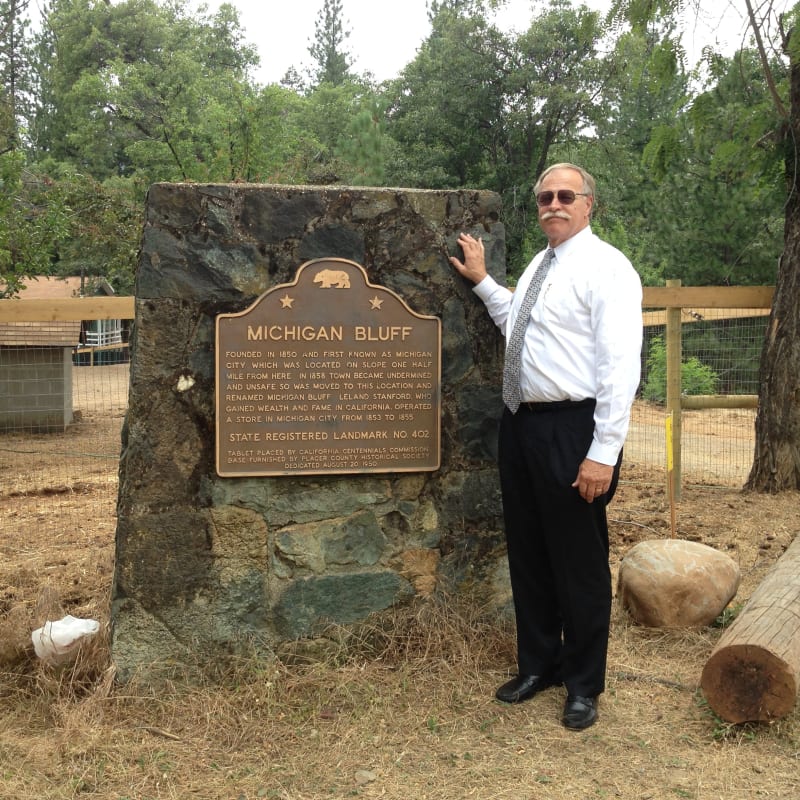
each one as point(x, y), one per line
point(523, 687)
point(579, 712)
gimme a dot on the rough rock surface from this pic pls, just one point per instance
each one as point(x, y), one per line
point(673, 583)
point(207, 566)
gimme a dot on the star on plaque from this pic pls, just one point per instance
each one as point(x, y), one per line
point(286, 301)
point(376, 304)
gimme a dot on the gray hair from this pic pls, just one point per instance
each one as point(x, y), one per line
point(589, 185)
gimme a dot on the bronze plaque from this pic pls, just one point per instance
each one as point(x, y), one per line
point(328, 374)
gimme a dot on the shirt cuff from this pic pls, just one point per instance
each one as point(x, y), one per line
point(603, 453)
point(486, 288)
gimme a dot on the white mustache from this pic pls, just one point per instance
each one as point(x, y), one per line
point(558, 214)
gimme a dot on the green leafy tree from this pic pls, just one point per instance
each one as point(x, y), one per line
point(32, 221)
point(636, 100)
point(720, 187)
point(138, 86)
point(481, 107)
point(281, 143)
point(102, 228)
point(138, 92)
point(776, 464)
point(446, 106)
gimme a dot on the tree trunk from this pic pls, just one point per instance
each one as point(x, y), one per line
point(753, 673)
point(776, 461)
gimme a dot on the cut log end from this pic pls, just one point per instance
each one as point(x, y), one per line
point(748, 683)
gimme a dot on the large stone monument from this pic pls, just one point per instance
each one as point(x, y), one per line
point(210, 561)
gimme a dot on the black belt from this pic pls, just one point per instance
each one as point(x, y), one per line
point(557, 405)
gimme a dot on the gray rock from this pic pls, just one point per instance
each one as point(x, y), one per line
point(309, 604)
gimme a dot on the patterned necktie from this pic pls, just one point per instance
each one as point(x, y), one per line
point(513, 360)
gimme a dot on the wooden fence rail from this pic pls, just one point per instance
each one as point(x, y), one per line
point(687, 305)
point(69, 310)
point(672, 305)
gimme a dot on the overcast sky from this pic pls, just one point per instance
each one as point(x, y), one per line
point(385, 34)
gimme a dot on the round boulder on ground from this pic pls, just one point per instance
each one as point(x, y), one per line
point(672, 583)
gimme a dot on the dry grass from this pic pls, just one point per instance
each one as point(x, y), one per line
point(401, 707)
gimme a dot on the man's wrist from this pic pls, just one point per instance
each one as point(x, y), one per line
point(603, 454)
point(485, 287)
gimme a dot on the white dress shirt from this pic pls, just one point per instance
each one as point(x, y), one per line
point(585, 339)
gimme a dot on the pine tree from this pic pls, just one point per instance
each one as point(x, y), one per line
point(15, 73)
point(333, 61)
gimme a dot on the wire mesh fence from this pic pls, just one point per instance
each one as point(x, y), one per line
point(59, 457)
point(721, 351)
point(68, 468)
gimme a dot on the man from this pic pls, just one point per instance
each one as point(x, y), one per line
point(571, 372)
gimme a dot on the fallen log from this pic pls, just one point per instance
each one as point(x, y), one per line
point(753, 673)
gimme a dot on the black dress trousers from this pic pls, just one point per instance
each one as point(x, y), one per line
point(557, 545)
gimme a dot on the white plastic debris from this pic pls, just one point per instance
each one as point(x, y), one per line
point(57, 641)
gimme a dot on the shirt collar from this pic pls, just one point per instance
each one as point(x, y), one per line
point(564, 248)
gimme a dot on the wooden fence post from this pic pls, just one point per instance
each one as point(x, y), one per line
point(673, 343)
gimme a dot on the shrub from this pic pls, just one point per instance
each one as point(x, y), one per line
point(696, 377)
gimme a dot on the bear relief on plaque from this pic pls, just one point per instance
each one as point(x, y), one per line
point(327, 374)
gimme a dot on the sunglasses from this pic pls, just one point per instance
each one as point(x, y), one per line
point(565, 196)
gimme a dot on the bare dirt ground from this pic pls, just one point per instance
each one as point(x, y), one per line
point(398, 708)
